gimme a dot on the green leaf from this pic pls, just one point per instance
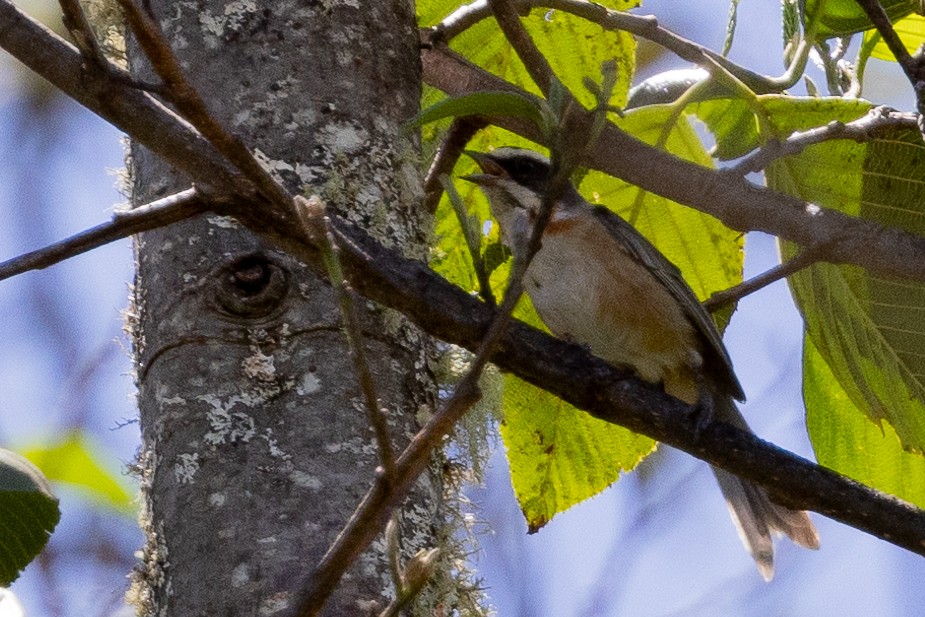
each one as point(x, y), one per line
point(482, 103)
point(911, 31)
point(844, 17)
point(733, 125)
point(560, 456)
point(74, 460)
point(868, 330)
point(28, 514)
point(849, 443)
point(575, 48)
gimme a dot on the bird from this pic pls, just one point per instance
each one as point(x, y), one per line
point(596, 281)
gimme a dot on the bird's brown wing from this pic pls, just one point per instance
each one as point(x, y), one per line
point(670, 277)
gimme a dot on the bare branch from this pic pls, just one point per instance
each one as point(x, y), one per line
point(913, 66)
point(124, 223)
point(130, 109)
point(861, 130)
point(534, 61)
point(473, 241)
point(75, 20)
point(460, 132)
point(315, 223)
point(881, 21)
point(804, 259)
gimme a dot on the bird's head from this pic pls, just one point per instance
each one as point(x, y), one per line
point(513, 180)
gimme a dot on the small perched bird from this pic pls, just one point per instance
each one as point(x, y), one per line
point(597, 281)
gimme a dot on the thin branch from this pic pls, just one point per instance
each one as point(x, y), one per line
point(877, 15)
point(75, 20)
point(116, 100)
point(315, 223)
point(460, 132)
point(913, 66)
point(124, 223)
point(862, 130)
point(473, 241)
point(803, 259)
point(184, 95)
point(535, 62)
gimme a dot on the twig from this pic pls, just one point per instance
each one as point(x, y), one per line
point(861, 130)
point(913, 66)
point(803, 259)
point(534, 61)
point(75, 20)
point(877, 15)
point(410, 583)
point(473, 242)
point(124, 223)
point(187, 100)
point(118, 101)
point(315, 223)
point(459, 134)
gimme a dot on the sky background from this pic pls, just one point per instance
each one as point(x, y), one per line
point(657, 543)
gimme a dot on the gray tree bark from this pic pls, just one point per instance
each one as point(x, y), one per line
point(256, 446)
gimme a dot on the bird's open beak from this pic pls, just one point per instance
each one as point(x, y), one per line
point(491, 171)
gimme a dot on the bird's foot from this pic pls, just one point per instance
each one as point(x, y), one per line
point(702, 415)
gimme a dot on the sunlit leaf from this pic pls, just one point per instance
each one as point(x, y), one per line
point(911, 31)
point(560, 456)
point(869, 330)
point(76, 461)
point(843, 17)
point(849, 443)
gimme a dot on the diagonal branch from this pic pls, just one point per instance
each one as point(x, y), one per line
point(124, 223)
point(534, 61)
point(115, 100)
point(644, 26)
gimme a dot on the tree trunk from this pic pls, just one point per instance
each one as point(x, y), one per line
point(256, 446)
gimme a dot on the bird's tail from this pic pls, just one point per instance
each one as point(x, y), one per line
point(753, 512)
